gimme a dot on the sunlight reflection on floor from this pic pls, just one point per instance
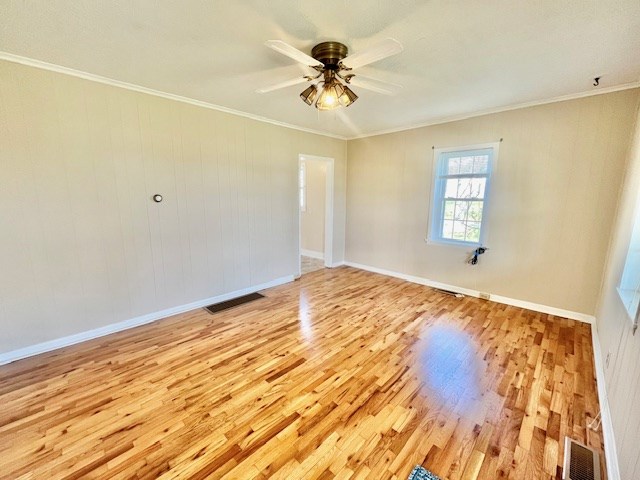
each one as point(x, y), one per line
point(451, 368)
point(304, 317)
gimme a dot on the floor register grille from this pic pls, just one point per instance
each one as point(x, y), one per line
point(219, 307)
point(580, 462)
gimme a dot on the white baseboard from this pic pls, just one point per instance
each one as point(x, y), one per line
point(537, 307)
point(583, 317)
point(312, 254)
point(31, 350)
point(610, 452)
point(338, 264)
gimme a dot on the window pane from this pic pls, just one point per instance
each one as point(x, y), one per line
point(464, 187)
point(472, 224)
point(447, 229)
point(475, 211)
point(449, 207)
point(461, 211)
point(459, 230)
point(480, 164)
point(453, 166)
point(451, 188)
point(466, 165)
point(477, 187)
point(473, 232)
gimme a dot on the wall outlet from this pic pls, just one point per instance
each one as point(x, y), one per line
point(485, 296)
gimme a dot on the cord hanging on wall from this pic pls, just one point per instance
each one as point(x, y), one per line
point(476, 253)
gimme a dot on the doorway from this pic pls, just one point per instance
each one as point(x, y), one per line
point(315, 239)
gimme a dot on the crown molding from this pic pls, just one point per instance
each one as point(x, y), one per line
point(31, 62)
point(562, 98)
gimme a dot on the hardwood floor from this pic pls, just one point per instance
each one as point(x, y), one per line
point(309, 264)
point(343, 374)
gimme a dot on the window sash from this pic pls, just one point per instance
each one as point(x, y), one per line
point(456, 199)
point(466, 221)
point(463, 175)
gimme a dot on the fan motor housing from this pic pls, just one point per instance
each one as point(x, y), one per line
point(330, 53)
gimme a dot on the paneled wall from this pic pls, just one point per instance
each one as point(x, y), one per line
point(554, 188)
point(622, 372)
point(82, 244)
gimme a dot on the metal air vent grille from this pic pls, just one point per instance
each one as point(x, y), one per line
point(580, 462)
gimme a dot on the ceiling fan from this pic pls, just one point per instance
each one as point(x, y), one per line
point(334, 67)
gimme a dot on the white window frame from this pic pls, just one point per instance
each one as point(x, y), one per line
point(629, 285)
point(434, 234)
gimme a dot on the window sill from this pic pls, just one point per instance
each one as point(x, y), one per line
point(451, 243)
point(630, 303)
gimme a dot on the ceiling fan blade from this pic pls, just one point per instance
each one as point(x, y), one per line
point(379, 86)
point(292, 52)
point(381, 50)
point(287, 83)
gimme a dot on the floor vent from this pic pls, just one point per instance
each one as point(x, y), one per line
point(218, 307)
point(580, 461)
point(449, 292)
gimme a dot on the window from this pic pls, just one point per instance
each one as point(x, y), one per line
point(462, 178)
point(302, 182)
point(629, 288)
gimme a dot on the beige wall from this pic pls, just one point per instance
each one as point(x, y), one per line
point(622, 374)
point(81, 243)
point(312, 220)
point(554, 188)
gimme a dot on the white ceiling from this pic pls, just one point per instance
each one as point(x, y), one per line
point(460, 56)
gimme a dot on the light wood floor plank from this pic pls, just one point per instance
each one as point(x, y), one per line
point(343, 374)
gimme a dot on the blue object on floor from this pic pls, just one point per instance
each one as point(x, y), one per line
point(421, 473)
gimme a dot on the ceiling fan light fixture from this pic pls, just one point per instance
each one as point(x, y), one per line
point(348, 97)
point(309, 94)
point(332, 61)
point(329, 98)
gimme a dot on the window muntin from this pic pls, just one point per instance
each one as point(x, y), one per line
point(461, 185)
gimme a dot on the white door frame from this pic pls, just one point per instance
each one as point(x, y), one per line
point(328, 209)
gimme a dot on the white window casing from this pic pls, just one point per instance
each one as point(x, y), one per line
point(461, 193)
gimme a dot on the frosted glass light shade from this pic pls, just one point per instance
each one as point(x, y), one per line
point(329, 98)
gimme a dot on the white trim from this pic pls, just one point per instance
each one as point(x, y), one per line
point(328, 210)
point(30, 62)
point(338, 264)
point(31, 350)
point(507, 108)
point(537, 307)
point(582, 317)
point(312, 254)
point(610, 452)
